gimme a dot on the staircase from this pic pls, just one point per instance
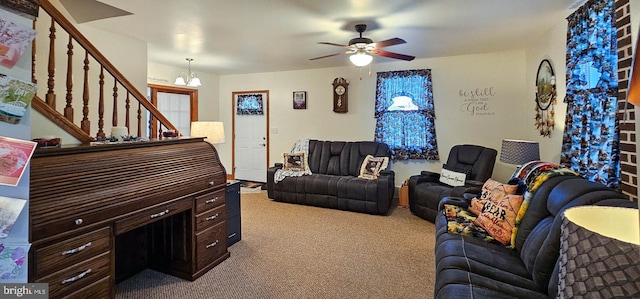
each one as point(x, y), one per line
point(105, 97)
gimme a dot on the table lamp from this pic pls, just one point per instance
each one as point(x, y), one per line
point(519, 152)
point(599, 253)
point(213, 131)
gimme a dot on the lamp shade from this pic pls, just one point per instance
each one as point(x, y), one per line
point(361, 58)
point(519, 152)
point(599, 253)
point(212, 130)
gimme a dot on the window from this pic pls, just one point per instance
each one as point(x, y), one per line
point(405, 118)
point(591, 138)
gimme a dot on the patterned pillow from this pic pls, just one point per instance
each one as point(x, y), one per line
point(372, 166)
point(294, 162)
point(498, 217)
point(452, 178)
point(491, 190)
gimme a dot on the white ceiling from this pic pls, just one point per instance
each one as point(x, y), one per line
point(248, 36)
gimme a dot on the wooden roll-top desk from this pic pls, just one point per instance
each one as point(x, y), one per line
point(101, 213)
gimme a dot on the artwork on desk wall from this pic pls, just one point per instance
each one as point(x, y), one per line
point(10, 209)
point(15, 98)
point(27, 8)
point(12, 259)
point(14, 40)
point(14, 157)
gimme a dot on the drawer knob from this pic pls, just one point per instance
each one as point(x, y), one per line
point(79, 221)
point(212, 183)
point(212, 217)
point(75, 250)
point(212, 244)
point(79, 276)
point(211, 200)
point(165, 212)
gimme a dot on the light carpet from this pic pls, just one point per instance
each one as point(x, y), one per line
point(297, 251)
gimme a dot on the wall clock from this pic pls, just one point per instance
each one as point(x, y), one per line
point(545, 98)
point(340, 95)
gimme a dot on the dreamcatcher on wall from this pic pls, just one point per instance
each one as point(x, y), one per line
point(545, 98)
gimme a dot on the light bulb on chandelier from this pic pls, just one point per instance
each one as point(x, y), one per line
point(189, 79)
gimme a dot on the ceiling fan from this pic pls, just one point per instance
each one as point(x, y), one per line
point(362, 48)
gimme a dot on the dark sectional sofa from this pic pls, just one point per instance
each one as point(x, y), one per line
point(468, 267)
point(334, 182)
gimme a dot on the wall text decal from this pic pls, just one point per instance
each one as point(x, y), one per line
point(476, 101)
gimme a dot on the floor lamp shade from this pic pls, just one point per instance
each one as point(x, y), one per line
point(212, 130)
point(519, 152)
point(599, 253)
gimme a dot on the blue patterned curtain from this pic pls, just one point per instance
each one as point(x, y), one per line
point(590, 144)
point(250, 104)
point(409, 134)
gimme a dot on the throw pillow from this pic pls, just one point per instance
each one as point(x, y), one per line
point(372, 166)
point(498, 217)
point(294, 162)
point(491, 190)
point(466, 171)
point(452, 178)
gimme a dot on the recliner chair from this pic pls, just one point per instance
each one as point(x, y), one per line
point(426, 190)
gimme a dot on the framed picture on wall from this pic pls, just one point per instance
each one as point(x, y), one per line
point(299, 100)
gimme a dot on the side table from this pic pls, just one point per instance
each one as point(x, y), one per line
point(234, 230)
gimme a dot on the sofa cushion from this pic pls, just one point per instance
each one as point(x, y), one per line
point(498, 217)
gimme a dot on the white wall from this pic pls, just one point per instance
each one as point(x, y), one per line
point(208, 102)
point(551, 46)
point(502, 72)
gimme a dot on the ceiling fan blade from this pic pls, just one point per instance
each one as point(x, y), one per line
point(333, 44)
point(392, 55)
point(330, 55)
point(389, 42)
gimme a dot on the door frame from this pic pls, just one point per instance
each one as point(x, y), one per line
point(233, 126)
point(193, 99)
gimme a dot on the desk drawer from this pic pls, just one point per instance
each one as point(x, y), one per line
point(100, 289)
point(77, 276)
point(211, 218)
point(147, 216)
point(211, 244)
point(234, 230)
point(59, 256)
point(210, 200)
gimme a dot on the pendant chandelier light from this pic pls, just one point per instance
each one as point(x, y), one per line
point(188, 79)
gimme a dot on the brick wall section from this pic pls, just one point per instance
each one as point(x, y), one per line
point(627, 117)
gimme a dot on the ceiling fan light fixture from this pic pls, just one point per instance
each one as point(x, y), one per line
point(188, 79)
point(361, 58)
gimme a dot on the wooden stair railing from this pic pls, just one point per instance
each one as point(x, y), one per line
point(90, 107)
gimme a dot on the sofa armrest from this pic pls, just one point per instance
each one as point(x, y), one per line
point(271, 171)
point(430, 175)
point(456, 201)
point(473, 183)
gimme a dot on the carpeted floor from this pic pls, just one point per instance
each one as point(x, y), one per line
point(296, 251)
